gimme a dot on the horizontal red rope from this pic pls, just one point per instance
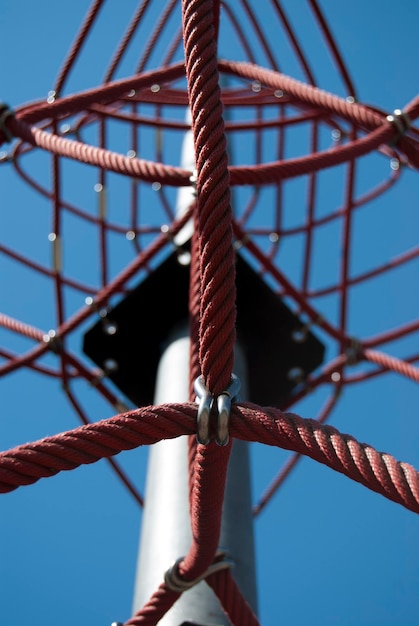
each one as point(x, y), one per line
point(360, 462)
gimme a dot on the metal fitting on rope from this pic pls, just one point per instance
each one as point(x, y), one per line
point(353, 351)
point(5, 112)
point(178, 584)
point(206, 403)
point(401, 122)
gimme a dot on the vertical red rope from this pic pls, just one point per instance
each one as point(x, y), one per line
point(217, 314)
point(210, 473)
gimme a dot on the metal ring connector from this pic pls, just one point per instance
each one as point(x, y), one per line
point(193, 179)
point(206, 402)
point(205, 405)
point(401, 122)
point(178, 584)
point(353, 351)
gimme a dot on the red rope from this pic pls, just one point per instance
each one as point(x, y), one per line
point(212, 285)
point(158, 605)
point(101, 297)
point(231, 598)
point(217, 313)
point(382, 131)
point(209, 478)
point(392, 363)
point(295, 458)
point(77, 45)
point(378, 471)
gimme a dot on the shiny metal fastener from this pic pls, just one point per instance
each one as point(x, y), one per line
point(401, 122)
point(206, 402)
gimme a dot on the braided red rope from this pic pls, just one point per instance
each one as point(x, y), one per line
point(392, 363)
point(378, 471)
point(217, 313)
point(78, 43)
point(158, 605)
point(209, 479)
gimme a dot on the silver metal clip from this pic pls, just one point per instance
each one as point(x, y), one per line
point(401, 123)
point(176, 583)
point(206, 402)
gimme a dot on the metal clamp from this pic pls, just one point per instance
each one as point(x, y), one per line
point(5, 112)
point(206, 402)
point(178, 584)
point(401, 122)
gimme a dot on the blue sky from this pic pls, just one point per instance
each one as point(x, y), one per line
point(328, 550)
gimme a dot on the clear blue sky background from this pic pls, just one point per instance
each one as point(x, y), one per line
point(328, 550)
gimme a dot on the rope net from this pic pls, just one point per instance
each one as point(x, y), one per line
point(298, 195)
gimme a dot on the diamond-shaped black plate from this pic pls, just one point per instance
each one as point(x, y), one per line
point(145, 318)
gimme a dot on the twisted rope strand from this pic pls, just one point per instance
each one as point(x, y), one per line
point(217, 313)
point(209, 479)
point(158, 605)
point(360, 462)
point(392, 363)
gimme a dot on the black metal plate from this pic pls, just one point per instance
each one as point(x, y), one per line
point(146, 317)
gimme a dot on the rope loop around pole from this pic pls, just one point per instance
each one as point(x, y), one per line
point(174, 581)
point(213, 211)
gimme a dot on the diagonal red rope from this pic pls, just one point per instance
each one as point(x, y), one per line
point(78, 43)
point(232, 600)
